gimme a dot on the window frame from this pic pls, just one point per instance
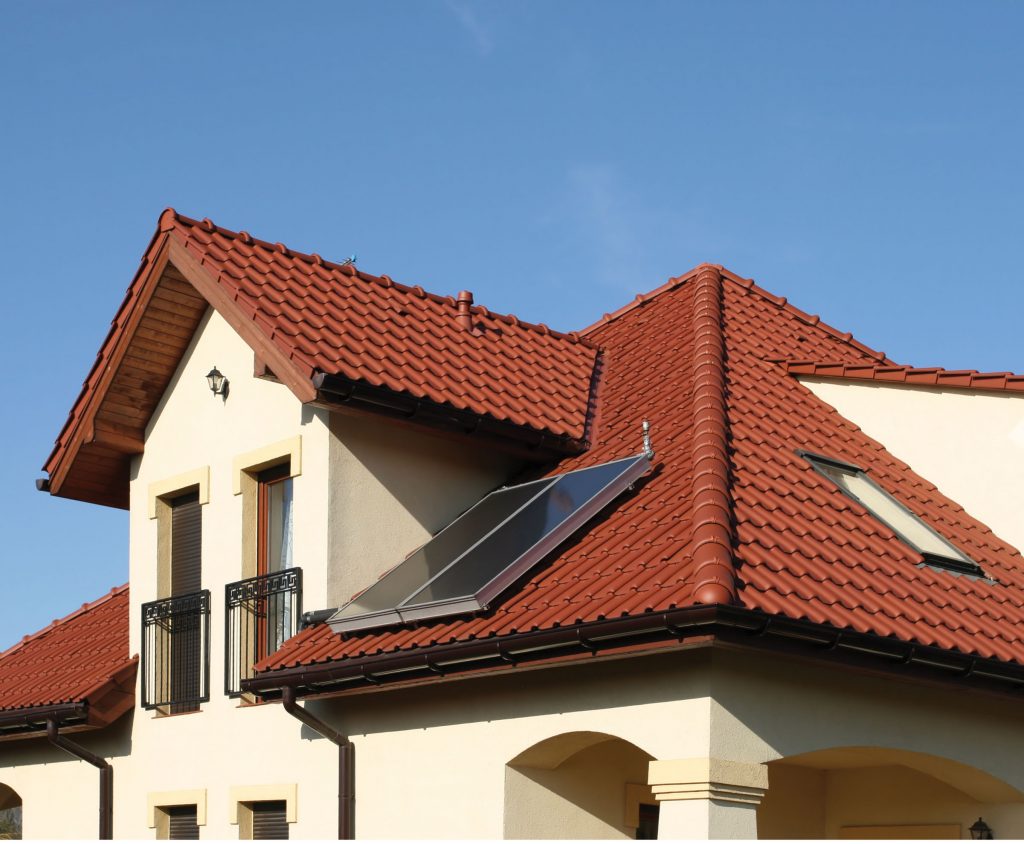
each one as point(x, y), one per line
point(966, 566)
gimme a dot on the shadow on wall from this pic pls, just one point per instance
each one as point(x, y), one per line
point(876, 792)
point(576, 785)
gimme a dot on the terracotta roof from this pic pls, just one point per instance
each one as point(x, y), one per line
point(79, 659)
point(967, 379)
point(732, 512)
point(306, 318)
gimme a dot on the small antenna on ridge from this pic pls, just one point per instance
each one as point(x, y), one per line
point(648, 451)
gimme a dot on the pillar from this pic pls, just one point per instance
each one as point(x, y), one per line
point(707, 798)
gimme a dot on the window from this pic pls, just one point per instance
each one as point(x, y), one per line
point(176, 649)
point(264, 811)
point(855, 483)
point(269, 820)
point(489, 547)
point(647, 828)
point(182, 823)
point(263, 611)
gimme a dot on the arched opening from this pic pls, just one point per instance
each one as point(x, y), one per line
point(10, 813)
point(876, 792)
point(579, 785)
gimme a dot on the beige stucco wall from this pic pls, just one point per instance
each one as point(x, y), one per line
point(434, 761)
point(970, 444)
point(392, 488)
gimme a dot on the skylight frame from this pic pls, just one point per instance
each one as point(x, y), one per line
point(960, 565)
point(633, 468)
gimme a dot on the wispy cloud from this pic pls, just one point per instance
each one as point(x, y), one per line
point(466, 15)
point(629, 240)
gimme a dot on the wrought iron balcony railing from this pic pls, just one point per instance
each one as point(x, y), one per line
point(176, 652)
point(261, 613)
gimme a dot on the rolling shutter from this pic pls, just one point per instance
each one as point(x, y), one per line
point(186, 544)
point(182, 823)
point(269, 821)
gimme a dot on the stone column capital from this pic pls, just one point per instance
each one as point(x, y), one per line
point(706, 778)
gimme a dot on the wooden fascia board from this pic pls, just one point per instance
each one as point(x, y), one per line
point(84, 427)
point(210, 289)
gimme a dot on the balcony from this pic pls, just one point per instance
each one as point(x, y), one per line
point(261, 614)
point(176, 653)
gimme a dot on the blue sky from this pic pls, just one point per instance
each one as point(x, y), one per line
point(863, 160)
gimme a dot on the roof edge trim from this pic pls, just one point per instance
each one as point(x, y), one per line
point(908, 376)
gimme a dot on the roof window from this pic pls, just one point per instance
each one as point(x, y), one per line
point(486, 549)
point(936, 550)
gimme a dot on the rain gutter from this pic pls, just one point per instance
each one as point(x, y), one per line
point(334, 391)
point(724, 625)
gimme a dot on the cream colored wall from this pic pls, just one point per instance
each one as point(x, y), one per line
point(584, 797)
point(392, 488)
point(969, 444)
point(433, 761)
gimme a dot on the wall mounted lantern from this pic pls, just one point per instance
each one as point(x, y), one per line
point(980, 831)
point(218, 383)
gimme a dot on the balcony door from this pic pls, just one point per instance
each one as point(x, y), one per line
point(274, 554)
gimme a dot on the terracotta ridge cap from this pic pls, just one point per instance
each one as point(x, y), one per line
point(350, 269)
point(914, 376)
point(749, 285)
point(57, 622)
point(644, 298)
point(714, 573)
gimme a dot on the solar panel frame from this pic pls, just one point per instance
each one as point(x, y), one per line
point(480, 599)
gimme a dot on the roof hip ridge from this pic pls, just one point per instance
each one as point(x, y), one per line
point(714, 572)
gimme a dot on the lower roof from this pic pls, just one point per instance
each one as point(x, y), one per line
point(77, 670)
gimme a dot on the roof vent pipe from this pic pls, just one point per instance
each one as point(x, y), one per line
point(465, 305)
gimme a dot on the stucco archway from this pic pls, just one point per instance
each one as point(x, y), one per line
point(576, 785)
point(10, 813)
point(866, 792)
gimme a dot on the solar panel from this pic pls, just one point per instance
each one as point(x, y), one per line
point(469, 563)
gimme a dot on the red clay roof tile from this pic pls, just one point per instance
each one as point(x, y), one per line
point(70, 660)
point(799, 549)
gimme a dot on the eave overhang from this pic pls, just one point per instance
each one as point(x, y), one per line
point(727, 626)
point(98, 708)
point(173, 288)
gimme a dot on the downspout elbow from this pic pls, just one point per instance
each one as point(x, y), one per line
point(346, 761)
point(106, 806)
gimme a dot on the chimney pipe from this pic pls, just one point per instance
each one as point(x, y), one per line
point(465, 317)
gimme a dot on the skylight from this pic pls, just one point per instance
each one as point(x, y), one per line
point(469, 563)
point(853, 481)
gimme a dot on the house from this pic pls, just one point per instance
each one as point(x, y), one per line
point(403, 567)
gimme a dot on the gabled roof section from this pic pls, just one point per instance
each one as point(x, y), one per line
point(76, 670)
point(333, 335)
point(731, 513)
point(932, 376)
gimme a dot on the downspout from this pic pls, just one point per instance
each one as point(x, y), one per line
point(346, 762)
point(106, 775)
